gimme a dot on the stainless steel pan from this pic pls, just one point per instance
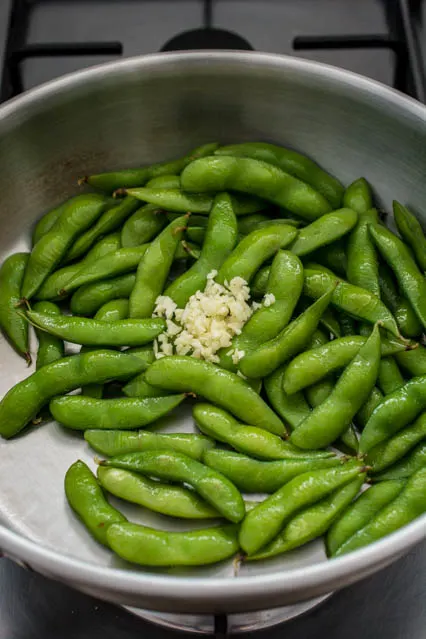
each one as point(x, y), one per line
point(144, 110)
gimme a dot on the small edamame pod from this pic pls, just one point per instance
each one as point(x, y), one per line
point(407, 320)
point(287, 343)
point(388, 452)
point(87, 499)
point(256, 442)
point(360, 512)
point(253, 250)
point(164, 182)
point(358, 196)
point(409, 504)
point(355, 301)
point(257, 178)
point(333, 257)
point(171, 465)
point(396, 411)
point(117, 442)
point(365, 412)
point(413, 361)
point(260, 281)
point(143, 226)
point(399, 259)
point(46, 222)
point(92, 332)
point(331, 418)
point(12, 322)
point(412, 462)
point(264, 522)
point(150, 547)
point(174, 501)
point(221, 387)
point(153, 269)
point(327, 229)
point(77, 216)
point(312, 522)
point(293, 163)
point(57, 280)
point(411, 231)
point(109, 221)
point(250, 223)
point(111, 265)
point(363, 263)
point(50, 348)
point(291, 408)
point(220, 239)
point(24, 400)
point(111, 181)
point(389, 378)
point(139, 387)
point(88, 299)
point(254, 476)
point(347, 324)
point(80, 412)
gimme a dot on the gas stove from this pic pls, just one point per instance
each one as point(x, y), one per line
point(44, 39)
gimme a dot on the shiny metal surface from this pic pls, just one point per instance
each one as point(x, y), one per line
point(143, 110)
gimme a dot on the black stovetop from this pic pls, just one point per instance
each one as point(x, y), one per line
point(378, 38)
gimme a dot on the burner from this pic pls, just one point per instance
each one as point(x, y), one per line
point(207, 38)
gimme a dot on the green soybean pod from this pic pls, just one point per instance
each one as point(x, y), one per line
point(356, 301)
point(399, 259)
point(50, 288)
point(264, 522)
point(411, 231)
point(291, 408)
point(145, 354)
point(150, 547)
point(50, 348)
point(330, 419)
point(154, 268)
point(389, 378)
point(259, 282)
point(255, 476)
point(256, 442)
point(407, 506)
point(413, 361)
point(256, 178)
point(126, 178)
point(88, 299)
point(412, 462)
point(363, 263)
point(141, 227)
point(174, 501)
point(290, 341)
point(360, 512)
point(365, 412)
point(394, 413)
point(76, 217)
point(347, 324)
point(388, 452)
point(220, 239)
point(12, 322)
point(164, 182)
point(407, 320)
point(109, 221)
point(358, 196)
point(86, 498)
point(170, 465)
point(312, 522)
point(293, 163)
point(333, 257)
point(251, 223)
point(218, 386)
point(117, 442)
point(327, 229)
point(46, 222)
point(139, 387)
point(24, 400)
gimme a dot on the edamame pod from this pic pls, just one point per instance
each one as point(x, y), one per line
point(412, 462)
point(264, 522)
point(260, 281)
point(76, 217)
point(87, 499)
point(363, 263)
point(256, 442)
point(92, 332)
point(389, 378)
point(293, 163)
point(360, 513)
point(413, 361)
point(150, 547)
point(388, 452)
point(117, 442)
point(331, 418)
point(333, 257)
point(174, 501)
point(287, 343)
point(411, 231)
point(143, 226)
point(12, 322)
point(399, 259)
point(254, 476)
point(327, 229)
point(139, 387)
point(46, 222)
point(365, 412)
point(291, 408)
point(170, 465)
point(126, 178)
point(88, 299)
point(50, 348)
point(407, 320)
point(396, 411)
point(221, 387)
point(220, 239)
point(80, 412)
point(408, 505)
point(257, 178)
point(358, 196)
point(24, 400)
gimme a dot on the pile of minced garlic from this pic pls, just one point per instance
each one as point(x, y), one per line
point(209, 320)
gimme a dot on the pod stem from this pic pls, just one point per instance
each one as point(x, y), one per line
point(82, 180)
